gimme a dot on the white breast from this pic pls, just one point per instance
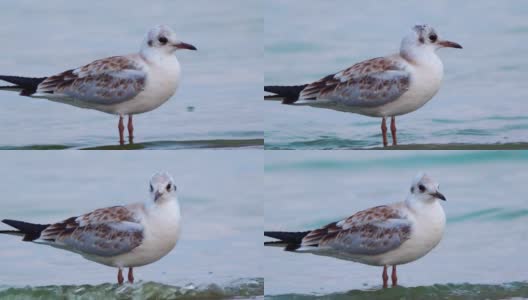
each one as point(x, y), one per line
point(161, 232)
point(427, 231)
point(162, 82)
point(426, 78)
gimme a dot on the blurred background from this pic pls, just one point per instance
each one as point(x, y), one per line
point(218, 100)
point(219, 252)
point(481, 255)
point(482, 99)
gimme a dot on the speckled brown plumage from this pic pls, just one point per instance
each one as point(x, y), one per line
point(97, 231)
point(365, 76)
point(363, 225)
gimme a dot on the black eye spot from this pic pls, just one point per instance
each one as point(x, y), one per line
point(163, 40)
point(169, 187)
point(151, 188)
point(433, 37)
point(412, 189)
point(422, 188)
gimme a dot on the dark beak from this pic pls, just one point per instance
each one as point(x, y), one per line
point(449, 44)
point(182, 45)
point(156, 196)
point(438, 195)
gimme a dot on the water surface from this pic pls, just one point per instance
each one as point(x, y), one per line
point(219, 97)
point(482, 99)
point(219, 193)
point(481, 251)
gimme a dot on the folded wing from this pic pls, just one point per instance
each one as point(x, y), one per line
point(103, 232)
point(369, 232)
point(107, 81)
point(367, 84)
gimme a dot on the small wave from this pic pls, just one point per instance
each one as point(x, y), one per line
point(161, 145)
point(323, 143)
point(406, 161)
point(475, 215)
point(339, 144)
point(463, 291)
point(173, 145)
point(37, 147)
point(455, 146)
point(239, 289)
point(507, 118)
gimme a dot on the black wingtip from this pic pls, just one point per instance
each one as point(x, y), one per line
point(292, 247)
point(287, 237)
point(290, 240)
point(274, 243)
point(28, 85)
point(290, 94)
point(31, 231)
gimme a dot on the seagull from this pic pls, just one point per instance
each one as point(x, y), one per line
point(386, 235)
point(119, 85)
point(381, 87)
point(119, 236)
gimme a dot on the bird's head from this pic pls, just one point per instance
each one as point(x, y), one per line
point(162, 39)
point(425, 37)
point(162, 188)
point(425, 189)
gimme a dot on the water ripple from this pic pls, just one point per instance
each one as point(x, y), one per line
point(464, 291)
point(242, 288)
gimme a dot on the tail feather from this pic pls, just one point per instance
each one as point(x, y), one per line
point(12, 232)
point(273, 97)
point(290, 240)
point(288, 94)
point(30, 231)
point(275, 243)
point(14, 88)
point(26, 85)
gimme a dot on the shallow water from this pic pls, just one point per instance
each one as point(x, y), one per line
point(482, 248)
point(156, 145)
point(219, 98)
point(444, 292)
point(239, 289)
point(220, 199)
point(482, 99)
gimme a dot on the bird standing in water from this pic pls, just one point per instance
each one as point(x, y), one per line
point(382, 87)
point(386, 235)
point(119, 85)
point(119, 236)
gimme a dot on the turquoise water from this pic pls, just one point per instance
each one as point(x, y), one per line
point(444, 292)
point(482, 100)
point(220, 199)
point(479, 257)
point(219, 98)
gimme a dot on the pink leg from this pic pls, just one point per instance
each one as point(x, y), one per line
point(385, 277)
point(394, 277)
point(120, 277)
point(130, 275)
point(384, 131)
point(121, 128)
point(393, 131)
point(130, 130)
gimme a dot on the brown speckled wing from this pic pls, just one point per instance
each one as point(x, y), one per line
point(367, 84)
point(106, 81)
point(104, 232)
point(370, 232)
